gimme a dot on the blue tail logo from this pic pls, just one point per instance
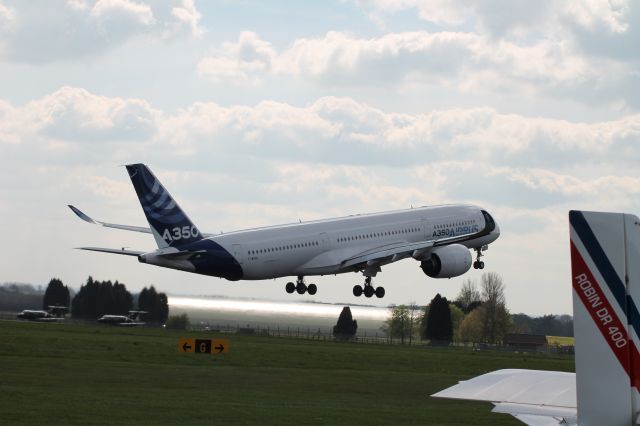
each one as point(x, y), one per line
point(170, 225)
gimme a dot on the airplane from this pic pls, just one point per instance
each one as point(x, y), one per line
point(604, 390)
point(439, 237)
point(129, 320)
point(54, 313)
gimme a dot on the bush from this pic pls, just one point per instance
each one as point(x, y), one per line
point(178, 322)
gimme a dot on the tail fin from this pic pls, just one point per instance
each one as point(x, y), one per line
point(605, 274)
point(169, 224)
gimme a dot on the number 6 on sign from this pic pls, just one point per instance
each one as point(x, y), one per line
point(203, 346)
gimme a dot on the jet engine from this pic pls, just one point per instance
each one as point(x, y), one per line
point(447, 261)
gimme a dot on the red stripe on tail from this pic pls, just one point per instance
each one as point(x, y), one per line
point(603, 315)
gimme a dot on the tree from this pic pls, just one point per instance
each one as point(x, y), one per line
point(439, 327)
point(346, 327)
point(469, 296)
point(97, 298)
point(56, 294)
point(470, 329)
point(457, 316)
point(399, 324)
point(549, 325)
point(156, 304)
point(495, 316)
point(414, 317)
point(178, 322)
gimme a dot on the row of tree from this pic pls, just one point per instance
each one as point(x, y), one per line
point(18, 296)
point(476, 315)
point(96, 298)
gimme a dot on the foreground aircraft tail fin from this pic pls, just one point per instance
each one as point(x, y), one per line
point(169, 224)
point(605, 275)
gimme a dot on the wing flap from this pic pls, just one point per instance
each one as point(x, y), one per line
point(535, 410)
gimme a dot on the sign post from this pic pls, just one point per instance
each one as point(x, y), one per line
point(203, 346)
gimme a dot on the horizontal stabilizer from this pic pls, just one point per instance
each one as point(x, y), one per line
point(114, 251)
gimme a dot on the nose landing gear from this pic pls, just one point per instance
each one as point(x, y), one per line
point(478, 264)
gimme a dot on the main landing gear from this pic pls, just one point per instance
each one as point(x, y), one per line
point(479, 264)
point(300, 287)
point(368, 289)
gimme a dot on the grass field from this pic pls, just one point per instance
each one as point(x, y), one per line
point(64, 373)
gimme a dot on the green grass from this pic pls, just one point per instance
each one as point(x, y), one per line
point(65, 373)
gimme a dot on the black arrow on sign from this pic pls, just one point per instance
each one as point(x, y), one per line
point(185, 346)
point(219, 348)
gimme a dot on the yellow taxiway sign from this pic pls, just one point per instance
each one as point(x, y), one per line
point(203, 346)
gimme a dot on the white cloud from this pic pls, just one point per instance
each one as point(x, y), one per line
point(120, 18)
point(599, 27)
point(75, 115)
point(330, 130)
point(461, 62)
point(186, 20)
point(7, 16)
point(245, 61)
point(45, 31)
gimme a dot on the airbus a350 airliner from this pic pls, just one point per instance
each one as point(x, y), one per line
point(439, 237)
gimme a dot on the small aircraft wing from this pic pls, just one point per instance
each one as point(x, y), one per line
point(532, 396)
point(389, 254)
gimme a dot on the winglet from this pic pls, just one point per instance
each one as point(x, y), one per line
point(81, 215)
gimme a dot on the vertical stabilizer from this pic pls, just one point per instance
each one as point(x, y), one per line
point(606, 291)
point(169, 224)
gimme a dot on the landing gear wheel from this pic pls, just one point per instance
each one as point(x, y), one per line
point(290, 287)
point(312, 289)
point(357, 290)
point(478, 264)
point(380, 292)
point(301, 288)
point(368, 291)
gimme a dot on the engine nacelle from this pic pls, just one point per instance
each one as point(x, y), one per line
point(447, 261)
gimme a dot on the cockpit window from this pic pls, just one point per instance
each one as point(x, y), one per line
point(490, 223)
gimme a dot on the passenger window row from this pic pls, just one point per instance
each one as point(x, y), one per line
point(377, 235)
point(283, 248)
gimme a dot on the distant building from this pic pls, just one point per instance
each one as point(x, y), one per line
point(531, 342)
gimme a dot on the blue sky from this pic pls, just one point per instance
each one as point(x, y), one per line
point(256, 113)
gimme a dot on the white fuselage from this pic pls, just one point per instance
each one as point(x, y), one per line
point(320, 247)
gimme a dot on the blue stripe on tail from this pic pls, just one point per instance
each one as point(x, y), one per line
point(164, 215)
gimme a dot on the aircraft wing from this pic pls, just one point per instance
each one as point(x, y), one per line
point(534, 397)
point(88, 219)
point(388, 254)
